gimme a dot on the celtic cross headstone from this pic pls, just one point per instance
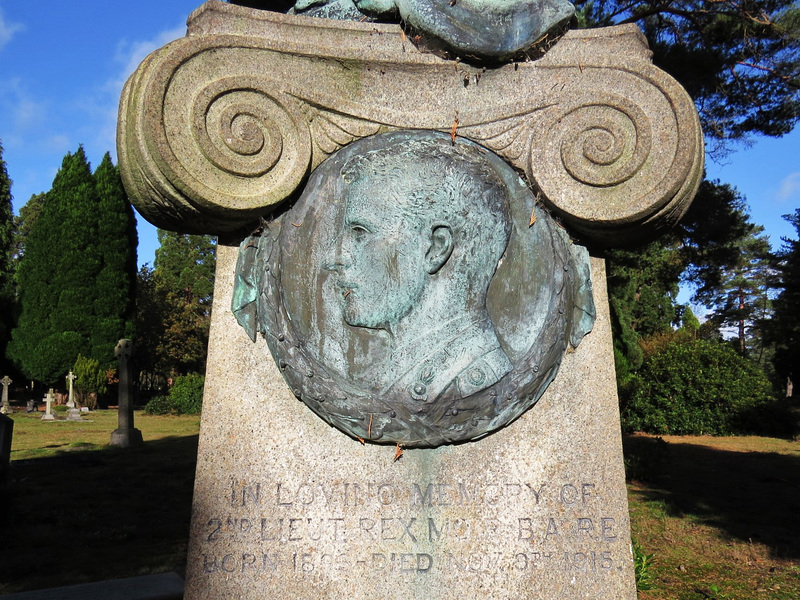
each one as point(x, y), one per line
point(125, 435)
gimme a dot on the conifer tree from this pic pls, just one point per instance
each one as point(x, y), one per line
point(184, 274)
point(739, 59)
point(786, 321)
point(6, 262)
point(742, 300)
point(115, 282)
point(173, 307)
point(54, 300)
point(71, 262)
point(23, 222)
point(174, 304)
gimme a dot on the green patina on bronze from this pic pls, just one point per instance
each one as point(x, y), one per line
point(408, 298)
point(493, 30)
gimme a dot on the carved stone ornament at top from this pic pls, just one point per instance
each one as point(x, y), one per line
point(219, 128)
point(408, 298)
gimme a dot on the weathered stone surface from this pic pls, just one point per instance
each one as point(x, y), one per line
point(287, 507)
point(218, 128)
point(126, 435)
point(5, 406)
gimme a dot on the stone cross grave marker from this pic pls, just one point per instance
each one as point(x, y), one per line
point(70, 378)
point(49, 398)
point(6, 407)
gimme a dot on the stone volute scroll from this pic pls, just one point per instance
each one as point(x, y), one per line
point(221, 127)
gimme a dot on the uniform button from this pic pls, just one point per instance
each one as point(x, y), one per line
point(476, 377)
point(419, 392)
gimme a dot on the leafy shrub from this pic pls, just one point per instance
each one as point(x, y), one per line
point(186, 394)
point(185, 397)
point(695, 387)
point(90, 380)
point(158, 405)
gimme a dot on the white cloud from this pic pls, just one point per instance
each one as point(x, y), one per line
point(105, 102)
point(790, 187)
point(7, 30)
point(17, 102)
point(131, 54)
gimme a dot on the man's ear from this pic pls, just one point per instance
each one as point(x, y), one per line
point(440, 249)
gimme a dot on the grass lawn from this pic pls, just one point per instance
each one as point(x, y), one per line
point(721, 516)
point(76, 510)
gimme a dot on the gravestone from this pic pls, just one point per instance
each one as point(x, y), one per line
point(126, 435)
point(49, 398)
point(71, 398)
point(74, 414)
point(6, 407)
point(352, 445)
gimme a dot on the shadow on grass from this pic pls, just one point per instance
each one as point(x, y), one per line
point(748, 495)
point(91, 515)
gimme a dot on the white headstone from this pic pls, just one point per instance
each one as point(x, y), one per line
point(70, 378)
point(48, 415)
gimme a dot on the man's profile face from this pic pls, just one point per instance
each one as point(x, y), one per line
point(378, 258)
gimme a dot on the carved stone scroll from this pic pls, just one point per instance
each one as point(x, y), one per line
point(218, 128)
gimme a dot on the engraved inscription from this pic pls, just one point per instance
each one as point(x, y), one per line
point(412, 529)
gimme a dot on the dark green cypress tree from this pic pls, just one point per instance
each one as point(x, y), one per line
point(23, 222)
point(55, 276)
point(6, 262)
point(76, 275)
point(79, 256)
point(115, 282)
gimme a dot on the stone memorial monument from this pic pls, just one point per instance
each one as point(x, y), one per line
point(49, 398)
point(5, 406)
point(71, 377)
point(125, 435)
point(410, 389)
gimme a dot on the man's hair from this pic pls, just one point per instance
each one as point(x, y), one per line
point(430, 180)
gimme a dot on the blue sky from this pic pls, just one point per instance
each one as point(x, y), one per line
point(62, 67)
point(63, 64)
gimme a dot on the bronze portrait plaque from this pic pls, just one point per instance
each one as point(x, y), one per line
point(415, 293)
